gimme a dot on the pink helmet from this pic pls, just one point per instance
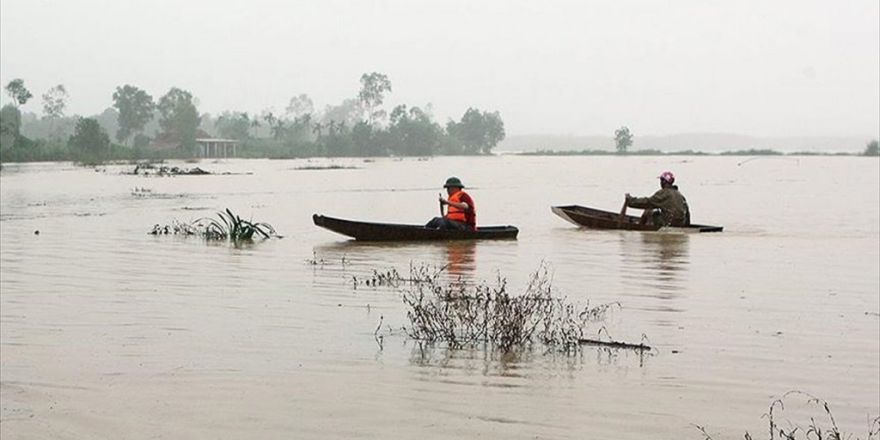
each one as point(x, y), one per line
point(667, 177)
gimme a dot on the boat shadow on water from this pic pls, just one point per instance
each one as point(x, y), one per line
point(657, 261)
point(458, 257)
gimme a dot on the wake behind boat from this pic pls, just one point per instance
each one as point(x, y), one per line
point(598, 219)
point(366, 231)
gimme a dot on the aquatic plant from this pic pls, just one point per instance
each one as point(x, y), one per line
point(829, 430)
point(461, 315)
point(421, 273)
point(176, 228)
point(234, 227)
point(228, 227)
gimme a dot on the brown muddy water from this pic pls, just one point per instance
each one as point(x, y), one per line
point(107, 332)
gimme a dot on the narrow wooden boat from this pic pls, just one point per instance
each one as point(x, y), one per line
point(598, 219)
point(365, 231)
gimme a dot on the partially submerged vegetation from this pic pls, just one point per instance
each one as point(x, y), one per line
point(460, 315)
point(233, 227)
point(158, 169)
point(227, 226)
point(151, 169)
point(821, 425)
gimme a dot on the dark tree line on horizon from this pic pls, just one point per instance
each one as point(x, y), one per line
point(144, 127)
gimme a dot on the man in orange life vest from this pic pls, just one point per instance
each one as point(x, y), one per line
point(461, 212)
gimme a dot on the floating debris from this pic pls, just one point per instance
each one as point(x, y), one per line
point(176, 228)
point(141, 192)
point(324, 167)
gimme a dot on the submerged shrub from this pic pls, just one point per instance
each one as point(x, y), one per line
point(461, 315)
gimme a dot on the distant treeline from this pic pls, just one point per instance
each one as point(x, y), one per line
point(870, 150)
point(142, 128)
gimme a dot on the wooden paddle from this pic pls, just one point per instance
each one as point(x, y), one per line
point(439, 197)
point(622, 213)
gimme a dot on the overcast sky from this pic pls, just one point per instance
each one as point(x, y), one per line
point(765, 68)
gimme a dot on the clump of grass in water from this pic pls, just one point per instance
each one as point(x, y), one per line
point(228, 227)
point(813, 431)
point(234, 227)
point(460, 315)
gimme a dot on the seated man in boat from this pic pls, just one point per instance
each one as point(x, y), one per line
point(461, 213)
point(667, 207)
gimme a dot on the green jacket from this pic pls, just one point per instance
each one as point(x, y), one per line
point(673, 206)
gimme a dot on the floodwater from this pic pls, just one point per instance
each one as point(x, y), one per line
point(108, 332)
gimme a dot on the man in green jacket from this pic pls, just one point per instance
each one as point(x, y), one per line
point(667, 207)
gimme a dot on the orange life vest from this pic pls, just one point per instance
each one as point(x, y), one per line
point(460, 215)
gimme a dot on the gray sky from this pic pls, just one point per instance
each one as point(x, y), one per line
point(765, 68)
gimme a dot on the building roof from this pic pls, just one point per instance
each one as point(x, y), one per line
point(217, 140)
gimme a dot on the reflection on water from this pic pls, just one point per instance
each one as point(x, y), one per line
point(667, 253)
point(526, 362)
point(461, 258)
point(517, 363)
point(459, 255)
point(659, 259)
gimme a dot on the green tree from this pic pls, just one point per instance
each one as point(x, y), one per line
point(109, 120)
point(18, 92)
point(277, 125)
point(179, 117)
point(54, 101)
point(300, 106)
point(372, 94)
point(347, 112)
point(336, 140)
point(365, 140)
point(495, 133)
point(89, 141)
point(300, 129)
point(135, 108)
point(233, 125)
point(623, 139)
point(873, 149)
point(477, 131)
point(10, 125)
point(140, 141)
point(413, 133)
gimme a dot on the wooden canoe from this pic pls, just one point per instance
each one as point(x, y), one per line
point(597, 219)
point(365, 231)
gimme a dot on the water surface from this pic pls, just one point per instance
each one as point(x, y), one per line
point(106, 331)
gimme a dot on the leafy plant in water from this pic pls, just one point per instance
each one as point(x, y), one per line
point(229, 226)
point(233, 227)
